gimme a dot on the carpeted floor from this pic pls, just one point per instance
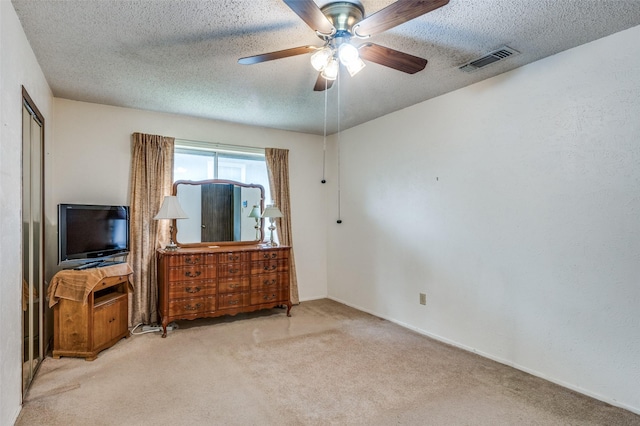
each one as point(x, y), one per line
point(326, 365)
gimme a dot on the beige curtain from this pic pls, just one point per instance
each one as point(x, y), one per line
point(278, 170)
point(151, 179)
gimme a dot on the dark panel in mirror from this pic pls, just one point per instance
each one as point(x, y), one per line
point(218, 212)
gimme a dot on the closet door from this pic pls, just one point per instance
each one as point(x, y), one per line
point(32, 239)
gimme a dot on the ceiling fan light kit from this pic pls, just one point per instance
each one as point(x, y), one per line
point(327, 59)
point(337, 22)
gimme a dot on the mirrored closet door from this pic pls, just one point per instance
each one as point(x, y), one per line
point(32, 239)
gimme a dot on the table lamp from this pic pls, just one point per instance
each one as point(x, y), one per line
point(272, 212)
point(171, 209)
point(255, 213)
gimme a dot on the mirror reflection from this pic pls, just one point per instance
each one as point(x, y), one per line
point(219, 211)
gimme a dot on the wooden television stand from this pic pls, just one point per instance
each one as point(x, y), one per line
point(83, 328)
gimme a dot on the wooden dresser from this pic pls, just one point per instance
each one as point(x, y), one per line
point(225, 280)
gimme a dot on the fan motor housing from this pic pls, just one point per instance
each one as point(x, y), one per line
point(343, 15)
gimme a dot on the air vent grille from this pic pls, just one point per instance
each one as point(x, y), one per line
point(491, 57)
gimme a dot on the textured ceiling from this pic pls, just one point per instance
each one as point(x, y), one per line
point(181, 56)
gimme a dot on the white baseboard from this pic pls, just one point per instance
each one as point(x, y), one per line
point(309, 299)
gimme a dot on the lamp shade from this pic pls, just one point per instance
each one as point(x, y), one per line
point(171, 209)
point(320, 58)
point(330, 72)
point(272, 211)
point(255, 212)
point(354, 67)
point(348, 53)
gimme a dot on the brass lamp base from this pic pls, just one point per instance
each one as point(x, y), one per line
point(271, 242)
point(171, 247)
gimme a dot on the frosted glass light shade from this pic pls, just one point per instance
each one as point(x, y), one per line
point(320, 58)
point(330, 72)
point(171, 209)
point(348, 53)
point(354, 67)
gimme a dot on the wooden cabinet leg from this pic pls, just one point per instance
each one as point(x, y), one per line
point(164, 328)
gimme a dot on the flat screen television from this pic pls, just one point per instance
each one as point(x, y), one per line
point(92, 231)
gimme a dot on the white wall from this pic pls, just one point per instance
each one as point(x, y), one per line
point(18, 67)
point(514, 204)
point(92, 160)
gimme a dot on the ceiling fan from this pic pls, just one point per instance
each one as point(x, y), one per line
point(337, 22)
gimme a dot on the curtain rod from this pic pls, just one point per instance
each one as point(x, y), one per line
point(186, 143)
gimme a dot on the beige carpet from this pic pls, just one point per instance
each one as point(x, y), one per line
point(326, 365)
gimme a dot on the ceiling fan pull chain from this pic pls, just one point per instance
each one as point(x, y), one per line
point(339, 146)
point(324, 140)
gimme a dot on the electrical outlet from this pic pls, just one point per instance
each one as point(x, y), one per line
point(423, 298)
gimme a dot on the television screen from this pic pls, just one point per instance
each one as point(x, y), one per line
point(92, 231)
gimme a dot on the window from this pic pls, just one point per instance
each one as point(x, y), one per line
point(201, 161)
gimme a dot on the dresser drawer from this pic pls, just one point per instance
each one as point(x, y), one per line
point(182, 289)
point(193, 259)
point(233, 284)
point(232, 257)
point(269, 254)
point(227, 270)
point(198, 272)
point(233, 300)
point(269, 266)
point(269, 282)
point(192, 306)
point(260, 297)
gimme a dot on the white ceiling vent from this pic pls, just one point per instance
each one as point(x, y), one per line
point(491, 57)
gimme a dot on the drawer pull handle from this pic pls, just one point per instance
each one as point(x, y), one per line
point(196, 274)
point(267, 297)
point(267, 282)
point(192, 289)
point(234, 285)
point(232, 257)
point(192, 308)
point(270, 267)
point(234, 302)
point(270, 256)
point(192, 261)
point(233, 271)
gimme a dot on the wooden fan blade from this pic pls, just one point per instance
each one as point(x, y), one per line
point(249, 60)
point(392, 58)
point(322, 84)
point(395, 14)
point(310, 13)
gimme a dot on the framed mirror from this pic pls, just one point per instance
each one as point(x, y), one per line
point(220, 212)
